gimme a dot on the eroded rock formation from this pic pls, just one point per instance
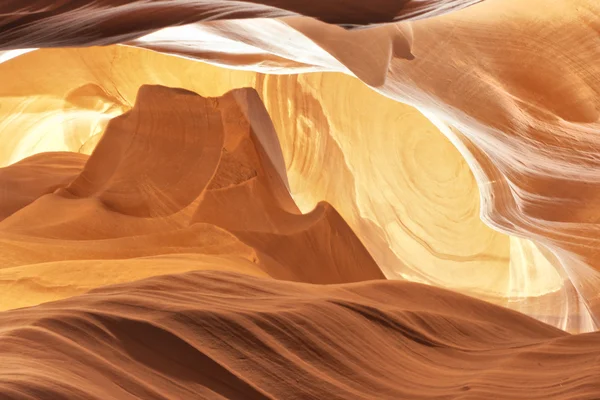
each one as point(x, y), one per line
point(451, 143)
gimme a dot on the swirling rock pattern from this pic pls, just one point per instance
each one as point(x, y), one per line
point(450, 143)
point(415, 205)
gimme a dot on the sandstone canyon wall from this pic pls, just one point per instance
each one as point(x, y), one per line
point(325, 159)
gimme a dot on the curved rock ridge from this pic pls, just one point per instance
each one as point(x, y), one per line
point(45, 23)
point(521, 106)
point(224, 335)
point(267, 164)
point(389, 171)
point(179, 175)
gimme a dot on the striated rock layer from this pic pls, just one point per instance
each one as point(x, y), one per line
point(402, 186)
point(348, 142)
point(178, 174)
point(222, 335)
point(184, 183)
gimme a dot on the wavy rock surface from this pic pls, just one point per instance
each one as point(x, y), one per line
point(177, 174)
point(415, 206)
point(221, 335)
point(447, 142)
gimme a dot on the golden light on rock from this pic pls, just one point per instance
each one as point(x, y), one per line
point(288, 176)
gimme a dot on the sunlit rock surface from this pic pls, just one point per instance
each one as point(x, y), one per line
point(455, 145)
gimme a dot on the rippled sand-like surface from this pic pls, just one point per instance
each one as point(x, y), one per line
point(207, 334)
point(255, 193)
